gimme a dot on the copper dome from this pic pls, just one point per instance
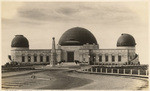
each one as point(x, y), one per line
point(77, 36)
point(126, 40)
point(20, 41)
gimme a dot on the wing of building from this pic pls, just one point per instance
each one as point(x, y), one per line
point(76, 44)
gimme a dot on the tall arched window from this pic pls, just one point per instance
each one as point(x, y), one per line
point(113, 58)
point(23, 58)
point(47, 58)
point(100, 58)
point(41, 58)
point(119, 58)
point(106, 58)
point(29, 58)
point(35, 58)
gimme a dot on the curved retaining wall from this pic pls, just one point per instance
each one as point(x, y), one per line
point(115, 74)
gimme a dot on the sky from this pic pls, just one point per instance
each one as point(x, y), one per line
point(40, 21)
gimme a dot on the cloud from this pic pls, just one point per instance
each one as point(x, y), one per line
point(77, 12)
point(67, 11)
point(9, 9)
point(83, 12)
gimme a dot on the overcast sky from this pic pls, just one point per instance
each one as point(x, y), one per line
point(39, 22)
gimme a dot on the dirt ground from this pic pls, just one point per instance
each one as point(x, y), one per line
point(66, 79)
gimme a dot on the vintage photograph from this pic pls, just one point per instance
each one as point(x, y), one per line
point(66, 45)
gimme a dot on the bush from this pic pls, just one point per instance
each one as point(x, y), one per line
point(11, 64)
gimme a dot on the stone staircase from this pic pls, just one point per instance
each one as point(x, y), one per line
point(135, 60)
point(65, 65)
point(69, 64)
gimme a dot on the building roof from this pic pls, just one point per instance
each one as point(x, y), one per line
point(126, 40)
point(20, 41)
point(77, 36)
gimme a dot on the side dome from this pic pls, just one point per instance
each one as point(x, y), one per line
point(126, 40)
point(20, 41)
point(77, 36)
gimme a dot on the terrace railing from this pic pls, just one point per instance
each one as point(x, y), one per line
point(117, 71)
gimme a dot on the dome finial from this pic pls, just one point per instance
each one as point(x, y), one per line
point(53, 38)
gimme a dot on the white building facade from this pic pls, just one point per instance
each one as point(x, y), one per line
point(76, 44)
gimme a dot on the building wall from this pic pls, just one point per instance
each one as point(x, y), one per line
point(105, 52)
point(112, 52)
point(131, 54)
point(82, 54)
point(16, 55)
point(66, 49)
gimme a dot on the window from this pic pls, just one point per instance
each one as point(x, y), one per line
point(35, 58)
point(119, 58)
point(29, 58)
point(113, 58)
point(100, 58)
point(23, 58)
point(106, 58)
point(47, 58)
point(41, 58)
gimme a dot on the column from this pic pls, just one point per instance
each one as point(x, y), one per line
point(87, 57)
point(38, 58)
point(44, 58)
point(101, 70)
point(103, 58)
point(96, 70)
point(97, 58)
point(111, 70)
point(124, 71)
point(131, 71)
point(138, 72)
point(109, 58)
point(116, 59)
point(146, 72)
point(26, 58)
point(118, 71)
point(32, 58)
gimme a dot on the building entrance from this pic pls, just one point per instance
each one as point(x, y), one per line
point(70, 56)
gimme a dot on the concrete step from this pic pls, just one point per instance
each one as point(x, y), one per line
point(68, 64)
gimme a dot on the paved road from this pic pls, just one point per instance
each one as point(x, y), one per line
point(65, 79)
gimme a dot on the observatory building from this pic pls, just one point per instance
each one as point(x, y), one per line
point(76, 44)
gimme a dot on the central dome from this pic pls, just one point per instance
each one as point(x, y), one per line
point(77, 36)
